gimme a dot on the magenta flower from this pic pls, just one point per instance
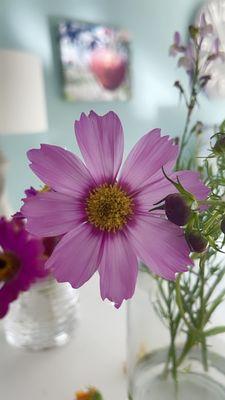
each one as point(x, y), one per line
point(21, 261)
point(103, 214)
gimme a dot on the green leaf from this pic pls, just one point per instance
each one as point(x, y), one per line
point(222, 127)
point(215, 331)
point(97, 396)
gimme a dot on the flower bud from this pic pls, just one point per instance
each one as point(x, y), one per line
point(176, 209)
point(222, 225)
point(219, 147)
point(193, 31)
point(204, 79)
point(196, 241)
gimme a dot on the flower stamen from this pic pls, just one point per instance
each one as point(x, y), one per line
point(109, 207)
point(9, 265)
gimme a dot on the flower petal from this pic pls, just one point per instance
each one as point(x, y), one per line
point(52, 213)
point(160, 187)
point(61, 170)
point(100, 139)
point(118, 269)
point(191, 180)
point(77, 256)
point(160, 244)
point(148, 156)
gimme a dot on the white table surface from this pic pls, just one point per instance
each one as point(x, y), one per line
point(95, 356)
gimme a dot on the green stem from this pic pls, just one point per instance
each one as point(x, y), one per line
point(214, 285)
point(218, 300)
point(191, 105)
point(181, 305)
point(202, 314)
point(183, 138)
point(187, 347)
point(204, 354)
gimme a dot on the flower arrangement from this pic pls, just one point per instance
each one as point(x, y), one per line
point(110, 216)
point(187, 304)
point(153, 208)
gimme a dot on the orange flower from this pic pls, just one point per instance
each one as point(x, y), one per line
point(90, 394)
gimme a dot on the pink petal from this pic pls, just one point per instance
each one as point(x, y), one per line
point(148, 156)
point(191, 180)
point(118, 269)
point(101, 143)
point(160, 187)
point(160, 244)
point(61, 170)
point(52, 213)
point(77, 256)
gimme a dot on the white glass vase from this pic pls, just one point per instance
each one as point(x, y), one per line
point(148, 347)
point(43, 317)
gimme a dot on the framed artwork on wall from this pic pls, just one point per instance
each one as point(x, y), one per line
point(95, 61)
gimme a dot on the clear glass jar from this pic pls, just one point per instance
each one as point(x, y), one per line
point(43, 317)
point(150, 374)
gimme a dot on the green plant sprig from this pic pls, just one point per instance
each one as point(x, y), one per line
point(186, 306)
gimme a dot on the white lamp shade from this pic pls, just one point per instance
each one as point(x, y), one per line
point(22, 95)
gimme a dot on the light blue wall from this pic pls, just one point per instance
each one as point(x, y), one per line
point(29, 24)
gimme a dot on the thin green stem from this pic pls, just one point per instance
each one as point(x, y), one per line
point(202, 314)
point(190, 106)
point(187, 347)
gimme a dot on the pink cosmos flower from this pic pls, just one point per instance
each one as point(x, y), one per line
point(103, 214)
point(49, 243)
point(21, 261)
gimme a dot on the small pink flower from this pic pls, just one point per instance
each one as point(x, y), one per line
point(102, 214)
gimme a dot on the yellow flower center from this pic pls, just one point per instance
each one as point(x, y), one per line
point(9, 265)
point(109, 207)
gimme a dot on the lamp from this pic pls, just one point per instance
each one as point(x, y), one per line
point(22, 101)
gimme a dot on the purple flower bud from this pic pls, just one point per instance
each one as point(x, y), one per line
point(205, 28)
point(196, 241)
point(203, 22)
point(178, 85)
point(222, 225)
point(176, 47)
point(177, 38)
point(176, 209)
point(203, 80)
